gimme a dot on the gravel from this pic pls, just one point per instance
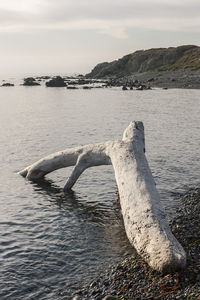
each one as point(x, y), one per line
point(171, 79)
point(168, 79)
point(134, 279)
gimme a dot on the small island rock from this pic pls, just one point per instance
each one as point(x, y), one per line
point(58, 81)
point(30, 81)
point(8, 84)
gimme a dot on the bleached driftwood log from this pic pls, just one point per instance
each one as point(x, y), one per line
point(144, 218)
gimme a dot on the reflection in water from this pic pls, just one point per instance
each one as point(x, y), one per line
point(78, 232)
point(52, 241)
point(99, 213)
point(48, 187)
point(98, 230)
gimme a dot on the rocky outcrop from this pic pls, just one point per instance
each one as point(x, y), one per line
point(158, 59)
point(30, 81)
point(57, 81)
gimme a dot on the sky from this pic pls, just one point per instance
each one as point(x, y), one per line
point(40, 37)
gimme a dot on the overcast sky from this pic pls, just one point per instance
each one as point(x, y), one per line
point(66, 36)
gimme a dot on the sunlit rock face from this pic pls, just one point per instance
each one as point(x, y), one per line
point(157, 59)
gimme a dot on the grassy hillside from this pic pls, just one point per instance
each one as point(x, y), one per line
point(159, 59)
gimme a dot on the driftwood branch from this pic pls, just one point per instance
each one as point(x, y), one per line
point(144, 219)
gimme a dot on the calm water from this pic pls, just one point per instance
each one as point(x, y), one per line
point(52, 242)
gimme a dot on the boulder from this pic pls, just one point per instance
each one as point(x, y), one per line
point(57, 81)
point(30, 81)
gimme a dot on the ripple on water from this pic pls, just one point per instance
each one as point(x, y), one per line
point(52, 241)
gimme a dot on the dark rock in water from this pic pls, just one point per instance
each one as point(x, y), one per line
point(72, 87)
point(124, 88)
point(87, 87)
point(72, 82)
point(8, 84)
point(58, 81)
point(30, 81)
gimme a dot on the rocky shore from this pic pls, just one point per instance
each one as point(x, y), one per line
point(170, 79)
point(165, 80)
point(181, 62)
point(134, 279)
point(135, 81)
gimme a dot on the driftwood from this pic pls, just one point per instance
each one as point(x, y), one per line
point(144, 219)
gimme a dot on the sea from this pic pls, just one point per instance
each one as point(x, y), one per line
point(51, 242)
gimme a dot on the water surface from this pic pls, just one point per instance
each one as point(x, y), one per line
point(52, 242)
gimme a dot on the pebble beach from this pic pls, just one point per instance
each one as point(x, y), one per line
point(134, 279)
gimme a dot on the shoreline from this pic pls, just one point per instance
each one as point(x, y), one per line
point(171, 79)
point(134, 279)
point(164, 79)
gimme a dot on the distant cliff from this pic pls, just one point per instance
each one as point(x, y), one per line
point(185, 57)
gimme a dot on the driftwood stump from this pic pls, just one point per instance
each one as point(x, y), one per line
point(144, 219)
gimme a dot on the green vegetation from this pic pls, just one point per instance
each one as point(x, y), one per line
point(185, 57)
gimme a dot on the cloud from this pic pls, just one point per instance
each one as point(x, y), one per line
point(113, 18)
point(73, 35)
